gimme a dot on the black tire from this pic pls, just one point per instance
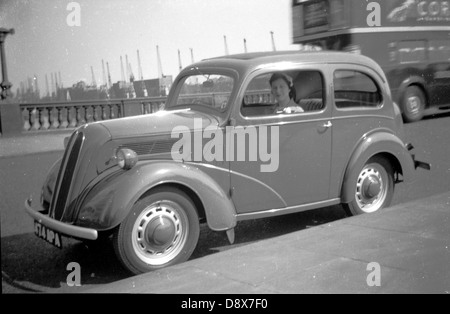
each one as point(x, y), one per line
point(413, 104)
point(162, 229)
point(373, 188)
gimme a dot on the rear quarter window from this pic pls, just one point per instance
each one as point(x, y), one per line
point(353, 89)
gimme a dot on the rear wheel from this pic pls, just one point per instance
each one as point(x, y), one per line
point(161, 229)
point(373, 189)
point(413, 104)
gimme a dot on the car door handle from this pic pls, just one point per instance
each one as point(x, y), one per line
point(327, 125)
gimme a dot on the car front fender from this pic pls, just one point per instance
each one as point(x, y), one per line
point(378, 143)
point(109, 201)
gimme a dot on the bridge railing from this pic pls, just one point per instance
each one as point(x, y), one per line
point(68, 115)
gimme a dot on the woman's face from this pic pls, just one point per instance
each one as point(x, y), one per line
point(280, 90)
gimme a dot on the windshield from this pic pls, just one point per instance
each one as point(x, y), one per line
point(207, 90)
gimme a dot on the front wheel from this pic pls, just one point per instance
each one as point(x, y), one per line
point(373, 189)
point(161, 229)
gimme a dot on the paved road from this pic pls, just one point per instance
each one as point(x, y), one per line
point(28, 264)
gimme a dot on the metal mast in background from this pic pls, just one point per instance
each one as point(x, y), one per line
point(46, 86)
point(141, 75)
point(109, 75)
point(273, 42)
point(94, 83)
point(180, 66)
point(192, 55)
point(160, 71)
point(105, 82)
point(226, 45)
point(122, 73)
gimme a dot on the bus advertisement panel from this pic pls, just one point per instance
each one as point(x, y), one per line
point(315, 16)
point(402, 13)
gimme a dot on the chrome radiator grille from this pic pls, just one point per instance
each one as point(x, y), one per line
point(65, 176)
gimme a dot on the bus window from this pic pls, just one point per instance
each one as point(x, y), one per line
point(354, 89)
point(413, 51)
point(439, 50)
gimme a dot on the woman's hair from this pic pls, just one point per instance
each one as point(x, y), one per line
point(289, 82)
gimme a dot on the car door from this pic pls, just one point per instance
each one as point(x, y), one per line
point(360, 106)
point(299, 146)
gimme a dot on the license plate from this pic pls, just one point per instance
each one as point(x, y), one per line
point(49, 235)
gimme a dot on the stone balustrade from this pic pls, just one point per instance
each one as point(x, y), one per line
point(68, 115)
point(37, 117)
point(258, 97)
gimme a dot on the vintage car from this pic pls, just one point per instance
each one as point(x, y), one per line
point(220, 152)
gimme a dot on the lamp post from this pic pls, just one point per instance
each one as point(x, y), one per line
point(5, 84)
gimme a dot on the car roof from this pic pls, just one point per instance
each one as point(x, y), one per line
point(255, 59)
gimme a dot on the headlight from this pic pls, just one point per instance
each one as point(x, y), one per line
point(126, 158)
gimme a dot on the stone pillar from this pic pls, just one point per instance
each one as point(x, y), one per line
point(5, 84)
point(11, 121)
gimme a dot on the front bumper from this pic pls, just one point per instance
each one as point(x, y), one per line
point(63, 228)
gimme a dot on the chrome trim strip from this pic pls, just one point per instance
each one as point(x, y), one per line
point(287, 210)
point(260, 183)
point(358, 30)
point(66, 229)
point(368, 30)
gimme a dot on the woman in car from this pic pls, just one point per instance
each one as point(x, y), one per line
point(283, 90)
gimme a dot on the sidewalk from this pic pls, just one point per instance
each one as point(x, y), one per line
point(410, 242)
point(34, 142)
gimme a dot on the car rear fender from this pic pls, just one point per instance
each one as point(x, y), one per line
point(378, 143)
point(109, 202)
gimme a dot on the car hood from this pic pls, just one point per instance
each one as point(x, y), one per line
point(162, 122)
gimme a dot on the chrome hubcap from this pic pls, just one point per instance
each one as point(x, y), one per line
point(371, 190)
point(414, 104)
point(160, 232)
point(371, 187)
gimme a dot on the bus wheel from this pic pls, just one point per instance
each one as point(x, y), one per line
point(413, 104)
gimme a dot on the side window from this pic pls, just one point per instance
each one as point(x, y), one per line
point(439, 50)
point(289, 92)
point(353, 89)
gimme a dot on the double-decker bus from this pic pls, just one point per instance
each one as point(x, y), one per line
point(410, 39)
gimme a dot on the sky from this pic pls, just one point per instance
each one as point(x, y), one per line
point(47, 41)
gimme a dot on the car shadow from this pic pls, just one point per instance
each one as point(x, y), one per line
point(31, 265)
point(247, 232)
